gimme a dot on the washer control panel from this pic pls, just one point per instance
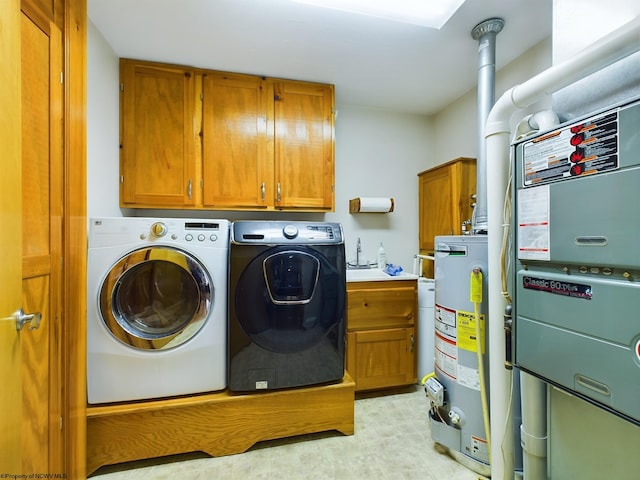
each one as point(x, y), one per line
point(302, 233)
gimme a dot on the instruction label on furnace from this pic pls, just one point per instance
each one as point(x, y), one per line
point(584, 148)
point(533, 223)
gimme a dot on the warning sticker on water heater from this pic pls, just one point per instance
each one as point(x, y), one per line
point(584, 148)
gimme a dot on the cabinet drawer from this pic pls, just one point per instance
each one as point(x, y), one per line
point(373, 305)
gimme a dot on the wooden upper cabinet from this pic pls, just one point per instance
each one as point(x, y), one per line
point(157, 113)
point(203, 139)
point(445, 201)
point(237, 168)
point(304, 145)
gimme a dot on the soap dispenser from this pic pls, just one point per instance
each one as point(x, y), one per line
point(382, 257)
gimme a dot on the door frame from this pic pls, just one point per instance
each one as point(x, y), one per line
point(74, 283)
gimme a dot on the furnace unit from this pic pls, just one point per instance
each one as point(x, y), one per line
point(577, 272)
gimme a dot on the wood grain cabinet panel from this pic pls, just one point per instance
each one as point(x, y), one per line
point(158, 163)
point(381, 333)
point(237, 170)
point(445, 201)
point(304, 145)
point(203, 139)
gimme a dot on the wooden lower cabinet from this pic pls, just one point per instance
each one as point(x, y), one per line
point(381, 333)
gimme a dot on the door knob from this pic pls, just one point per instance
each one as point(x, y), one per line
point(23, 318)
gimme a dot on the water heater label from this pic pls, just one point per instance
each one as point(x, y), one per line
point(584, 148)
point(446, 356)
point(467, 331)
point(567, 289)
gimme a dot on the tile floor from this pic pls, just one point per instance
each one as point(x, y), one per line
point(391, 441)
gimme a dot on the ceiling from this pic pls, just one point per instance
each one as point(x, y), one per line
point(372, 62)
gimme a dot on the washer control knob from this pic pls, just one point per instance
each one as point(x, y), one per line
point(290, 231)
point(159, 229)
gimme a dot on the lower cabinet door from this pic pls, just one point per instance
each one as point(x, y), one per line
point(381, 358)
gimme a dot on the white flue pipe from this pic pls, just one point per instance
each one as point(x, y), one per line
point(607, 50)
point(533, 431)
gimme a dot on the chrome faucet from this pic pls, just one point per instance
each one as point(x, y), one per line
point(358, 252)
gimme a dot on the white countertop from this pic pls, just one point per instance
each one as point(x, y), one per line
point(375, 275)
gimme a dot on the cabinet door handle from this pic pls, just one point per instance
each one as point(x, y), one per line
point(263, 191)
point(278, 193)
point(412, 343)
point(189, 189)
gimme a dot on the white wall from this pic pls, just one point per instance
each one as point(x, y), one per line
point(455, 127)
point(378, 153)
point(102, 127)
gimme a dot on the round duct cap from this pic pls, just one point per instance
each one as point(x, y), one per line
point(492, 25)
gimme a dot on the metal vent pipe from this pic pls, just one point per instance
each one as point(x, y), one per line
point(485, 32)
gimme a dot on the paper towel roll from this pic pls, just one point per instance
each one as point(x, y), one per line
point(371, 205)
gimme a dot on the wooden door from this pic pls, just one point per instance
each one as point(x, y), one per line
point(157, 119)
point(41, 67)
point(304, 146)
point(237, 170)
point(10, 240)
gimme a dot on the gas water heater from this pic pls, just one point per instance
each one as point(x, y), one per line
point(457, 419)
point(577, 265)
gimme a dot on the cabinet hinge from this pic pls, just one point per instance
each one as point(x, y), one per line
point(201, 96)
point(121, 178)
point(60, 423)
point(61, 78)
point(122, 87)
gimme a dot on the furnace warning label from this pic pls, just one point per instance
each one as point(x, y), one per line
point(533, 223)
point(584, 148)
point(567, 289)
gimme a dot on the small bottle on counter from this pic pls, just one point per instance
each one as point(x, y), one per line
point(382, 257)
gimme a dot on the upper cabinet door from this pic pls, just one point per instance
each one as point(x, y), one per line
point(304, 145)
point(445, 200)
point(237, 167)
point(158, 162)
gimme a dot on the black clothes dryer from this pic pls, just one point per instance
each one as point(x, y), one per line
point(287, 291)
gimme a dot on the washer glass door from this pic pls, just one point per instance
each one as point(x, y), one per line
point(155, 298)
point(288, 299)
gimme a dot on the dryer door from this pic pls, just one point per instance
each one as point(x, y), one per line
point(155, 298)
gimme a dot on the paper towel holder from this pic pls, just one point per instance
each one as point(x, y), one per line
point(371, 205)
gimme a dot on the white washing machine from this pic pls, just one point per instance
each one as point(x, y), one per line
point(157, 307)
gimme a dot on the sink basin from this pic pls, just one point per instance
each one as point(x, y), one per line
point(375, 274)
